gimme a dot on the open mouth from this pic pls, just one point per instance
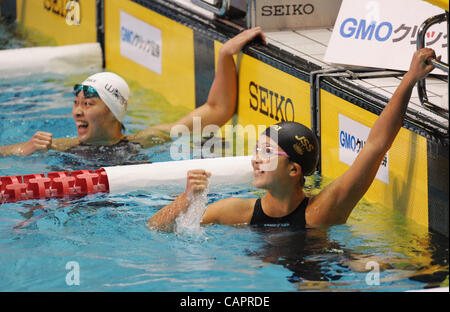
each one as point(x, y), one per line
point(258, 172)
point(82, 126)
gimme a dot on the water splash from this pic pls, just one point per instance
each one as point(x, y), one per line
point(188, 222)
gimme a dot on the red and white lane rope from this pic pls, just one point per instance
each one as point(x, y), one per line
point(122, 179)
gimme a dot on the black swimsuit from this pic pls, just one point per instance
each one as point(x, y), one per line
point(123, 146)
point(294, 219)
point(124, 152)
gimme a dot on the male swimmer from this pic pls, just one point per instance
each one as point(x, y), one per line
point(281, 162)
point(101, 103)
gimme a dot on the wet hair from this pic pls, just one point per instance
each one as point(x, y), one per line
point(298, 141)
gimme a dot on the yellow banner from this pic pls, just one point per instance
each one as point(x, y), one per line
point(443, 4)
point(401, 182)
point(268, 96)
point(153, 50)
point(60, 22)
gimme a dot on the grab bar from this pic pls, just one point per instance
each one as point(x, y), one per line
point(220, 7)
point(441, 65)
point(421, 86)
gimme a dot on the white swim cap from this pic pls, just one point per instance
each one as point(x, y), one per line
point(113, 90)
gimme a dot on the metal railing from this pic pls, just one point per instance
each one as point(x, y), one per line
point(421, 85)
point(220, 7)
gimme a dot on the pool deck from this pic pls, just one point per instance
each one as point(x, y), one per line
point(311, 45)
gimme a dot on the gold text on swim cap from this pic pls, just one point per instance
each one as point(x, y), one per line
point(302, 144)
point(276, 127)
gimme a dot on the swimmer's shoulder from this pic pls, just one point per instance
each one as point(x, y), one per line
point(232, 210)
point(150, 137)
point(63, 144)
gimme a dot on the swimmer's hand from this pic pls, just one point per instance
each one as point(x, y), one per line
point(197, 181)
point(39, 141)
point(164, 219)
point(236, 44)
point(420, 65)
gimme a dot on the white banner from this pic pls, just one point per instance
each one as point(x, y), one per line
point(140, 42)
point(352, 137)
point(383, 33)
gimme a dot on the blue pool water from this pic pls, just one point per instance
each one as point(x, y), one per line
point(106, 236)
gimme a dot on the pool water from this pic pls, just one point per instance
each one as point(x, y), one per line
point(101, 242)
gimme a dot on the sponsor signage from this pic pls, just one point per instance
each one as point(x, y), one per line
point(352, 137)
point(58, 22)
point(383, 33)
point(141, 42)
point(293, 14)
point(70, 10)
point(270, 103)
point(268, 95)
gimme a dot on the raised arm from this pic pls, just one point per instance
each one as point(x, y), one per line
point(336, 201)
point(222, 98)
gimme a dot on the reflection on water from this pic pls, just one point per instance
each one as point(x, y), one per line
point(320, 260)
point(108, 236)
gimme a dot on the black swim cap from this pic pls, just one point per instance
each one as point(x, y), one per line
point(298, 141)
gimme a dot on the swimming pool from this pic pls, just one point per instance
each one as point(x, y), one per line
point(104, 238)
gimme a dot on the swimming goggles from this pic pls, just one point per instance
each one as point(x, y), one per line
point(88, 91)
point(266, 152)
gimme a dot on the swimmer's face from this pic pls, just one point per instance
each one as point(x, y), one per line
point(269, 164)
point(93, 119)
